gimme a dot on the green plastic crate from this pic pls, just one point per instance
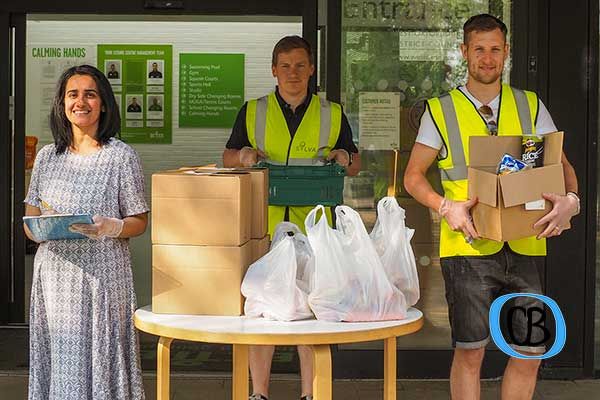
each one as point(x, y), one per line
point(305, 185)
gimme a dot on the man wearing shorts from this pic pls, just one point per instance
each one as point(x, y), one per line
point(477, 271)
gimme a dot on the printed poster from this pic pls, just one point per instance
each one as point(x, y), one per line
point(379, 120)
point(141, 77)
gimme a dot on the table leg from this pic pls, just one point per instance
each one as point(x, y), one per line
point(239, 377)
point(163, 368)
point(389, 369)
point(322, 372)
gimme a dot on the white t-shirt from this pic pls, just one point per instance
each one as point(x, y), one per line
point(429, 135)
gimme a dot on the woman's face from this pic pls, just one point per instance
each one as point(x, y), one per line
point(82, 102)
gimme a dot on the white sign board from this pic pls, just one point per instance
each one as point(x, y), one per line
point(45, 64)
point(379, 120)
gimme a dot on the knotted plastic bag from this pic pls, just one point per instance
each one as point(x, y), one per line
point(271, 285)
point(392, 238)
point(349, 282)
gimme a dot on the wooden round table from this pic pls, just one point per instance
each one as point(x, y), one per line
point(243, 331)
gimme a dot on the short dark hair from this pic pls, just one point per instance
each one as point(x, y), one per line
point(290, 43)
point(110, 119)
point(483, 23)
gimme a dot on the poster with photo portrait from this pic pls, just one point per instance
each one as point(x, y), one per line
point(155, 72)
point(156, 106)
point(134, 104)
point(112, 70)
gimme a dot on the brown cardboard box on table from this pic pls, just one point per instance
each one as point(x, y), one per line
point(206, 209)
point(202, 280)
point(199, 280)
point(500, 213)
point(259, 199)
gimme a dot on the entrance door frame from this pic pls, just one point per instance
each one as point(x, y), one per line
point(552, 32)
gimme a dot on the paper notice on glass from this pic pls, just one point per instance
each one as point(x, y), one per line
point(379, 120)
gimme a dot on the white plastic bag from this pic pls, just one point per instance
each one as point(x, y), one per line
point(392, 242)
point(304, 254)
point(270, 285)
point(349, 282)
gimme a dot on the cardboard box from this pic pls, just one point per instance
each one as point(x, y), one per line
point(211, 209)
point(260, 196)
point(199, 280)
point(500, 213)
point(202, 280)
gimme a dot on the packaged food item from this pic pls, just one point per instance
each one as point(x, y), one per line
point(509, 164)
point(533, 150)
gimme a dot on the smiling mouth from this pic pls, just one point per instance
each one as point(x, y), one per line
point(81, 112)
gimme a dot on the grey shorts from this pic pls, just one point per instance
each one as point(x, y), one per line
point(474, 282)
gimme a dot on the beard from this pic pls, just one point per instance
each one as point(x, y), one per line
point(486, 79)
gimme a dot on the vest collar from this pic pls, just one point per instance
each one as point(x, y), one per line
point(463, 91)
point(285, 106)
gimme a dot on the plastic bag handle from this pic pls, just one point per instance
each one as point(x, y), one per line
point(310, 220)
point(388, 205)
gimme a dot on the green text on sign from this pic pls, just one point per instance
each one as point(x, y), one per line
point(211, 89)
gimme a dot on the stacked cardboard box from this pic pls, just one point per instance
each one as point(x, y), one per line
point(208, 226)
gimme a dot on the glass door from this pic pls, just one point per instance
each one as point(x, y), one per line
point(399, 55)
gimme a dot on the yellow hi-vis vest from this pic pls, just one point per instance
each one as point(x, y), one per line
point(317, 133)
point(456, 119)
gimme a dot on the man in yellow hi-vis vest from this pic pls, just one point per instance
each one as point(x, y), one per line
point(290, 126)
point(475, 270)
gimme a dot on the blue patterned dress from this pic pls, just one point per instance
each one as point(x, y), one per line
point(83, 344)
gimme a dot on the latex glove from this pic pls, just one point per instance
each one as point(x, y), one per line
point(563, 209)
point(102, 227)
point(457, 215)
point(340, 156)
point(249, 156)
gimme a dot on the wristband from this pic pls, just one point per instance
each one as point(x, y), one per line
point(576, 197)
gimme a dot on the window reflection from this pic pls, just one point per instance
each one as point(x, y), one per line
point(409, 49)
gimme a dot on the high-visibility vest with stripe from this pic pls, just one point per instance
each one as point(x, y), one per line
point(317, 134)
point(456, 119)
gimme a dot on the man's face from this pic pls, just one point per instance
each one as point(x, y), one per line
point(485, 54)
point(293, 71)
point(155, 101)
point(133, 101)
point(112, 67)
point(154, 67)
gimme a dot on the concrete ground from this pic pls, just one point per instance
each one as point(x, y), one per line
point(205, 386)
